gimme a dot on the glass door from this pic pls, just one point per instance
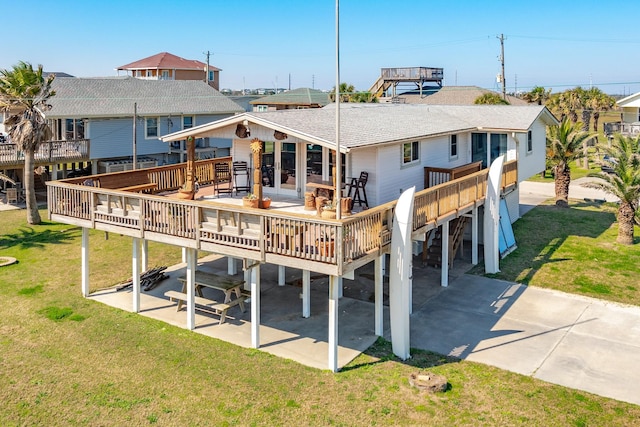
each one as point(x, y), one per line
point(280, 168)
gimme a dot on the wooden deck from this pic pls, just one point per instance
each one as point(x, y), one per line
point(50, 152)
point(261, 235)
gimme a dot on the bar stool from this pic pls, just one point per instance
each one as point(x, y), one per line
point(240, 170)
point(356, 185)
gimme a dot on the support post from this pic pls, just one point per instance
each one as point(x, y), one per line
point(191, 287)
point(306, 290)
point(247, 278)
point(340, 287)
point(379, 295)
point(232, 266)
point(255, 306)
point(281, 275)
point(474, 236)
point(145, 254)
point(333, 323)
point(85, 261)
point(444, 271)
point(135, 274)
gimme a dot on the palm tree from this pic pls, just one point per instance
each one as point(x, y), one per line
point(537, 95)
point(564, 145)
point(491, 98)
point(624, 183)
point(346, 92)
point(24, 94)
point(601, 103)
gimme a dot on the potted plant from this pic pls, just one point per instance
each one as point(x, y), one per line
point(266, 202)
point(326, 245)
point(329, 210)
point(251, 201)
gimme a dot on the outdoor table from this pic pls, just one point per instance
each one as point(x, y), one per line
point(215, 281)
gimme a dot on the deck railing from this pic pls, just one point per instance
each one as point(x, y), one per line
point(324, 245)
point(49, 152)
point(626, 129)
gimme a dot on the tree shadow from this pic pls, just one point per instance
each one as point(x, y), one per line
point(30, 237)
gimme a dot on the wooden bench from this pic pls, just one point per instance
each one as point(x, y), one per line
point(127, 181)
point(140, 188)
point(218, 308)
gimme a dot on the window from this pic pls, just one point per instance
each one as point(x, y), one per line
point(453, 146)
point(210, 75)
point(187, 122)
point(151, 127)
point(498, 145)
point(410, 152)
point(479, 148)
point(261, 108)
point(529, 142)
point(165, 75)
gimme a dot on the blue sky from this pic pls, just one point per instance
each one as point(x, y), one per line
point(265, 43)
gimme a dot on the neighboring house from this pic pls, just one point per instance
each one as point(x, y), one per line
point(166, 66)
point(630, 123)
point(102, 110)
point(449, 95)
point(393, 143)
point(292, 99)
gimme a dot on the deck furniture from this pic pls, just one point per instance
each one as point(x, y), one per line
point(241, 181)
point(357, 187)
point(214, 281)
point(222, 182)
point(218, 308)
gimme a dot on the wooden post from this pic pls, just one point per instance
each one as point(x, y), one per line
point(256, 149)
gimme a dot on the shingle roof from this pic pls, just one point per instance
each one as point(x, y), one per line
point(166, 60)
point(302, 96)
point(455, 95)
point(114, 97)
point(370, 124)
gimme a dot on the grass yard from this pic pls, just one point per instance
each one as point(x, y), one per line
point(66, 360)
point(574, 250)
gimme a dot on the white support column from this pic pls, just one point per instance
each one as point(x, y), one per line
point(255, 306)
point(247, 279)
point(191, 287)
point(444, 278)
point(184, 255)
point(306, 293)
point(281, 275)
point(333, 323)
point(145, 254)
point(135, 274)
point(232, 266)
point(379, 295)
point(54, 172)
point(383, 259)
point(474, 236)
point(85, 261)
point(340, 287)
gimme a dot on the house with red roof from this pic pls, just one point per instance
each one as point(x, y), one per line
point(166, 66)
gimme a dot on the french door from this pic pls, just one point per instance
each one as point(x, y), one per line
point(280, 168)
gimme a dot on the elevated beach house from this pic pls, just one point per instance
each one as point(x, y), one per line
point(442, 151)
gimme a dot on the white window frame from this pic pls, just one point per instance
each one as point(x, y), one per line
point(414, 155)
point(262, 108)
point(185, 126)
point(453, 143)
point(529, 141)
point(147, 128)
point(165, 75)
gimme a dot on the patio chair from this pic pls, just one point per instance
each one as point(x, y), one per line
point(241, 174)
point(357, 186)
point(12, 195)
point(222, 182)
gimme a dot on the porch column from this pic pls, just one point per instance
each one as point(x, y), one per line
point(94, 167)
point(306, 290)
point(255, 306)
point(247, 276)
point(184, 255)
point(378, 265)
point(340, 286)
point(85, 262)
point(474, 236)
point(444, 278)
point(281, 275)
point(135, 274)
point(232, 266)
point(54, 172)
point(191, 288)
point(333, 323)
point(145, 254)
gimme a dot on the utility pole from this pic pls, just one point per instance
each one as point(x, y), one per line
point(504, 83)
point(206, 77)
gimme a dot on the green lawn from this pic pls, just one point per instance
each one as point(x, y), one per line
point(66, 360)
point(574, 250)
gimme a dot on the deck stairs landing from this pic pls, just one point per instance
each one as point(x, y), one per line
point(432, 256)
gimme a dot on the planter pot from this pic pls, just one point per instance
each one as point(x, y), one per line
point(326, 248)
point(328, 214)
point(266, 203)
point(186, 195)
point(251, 203)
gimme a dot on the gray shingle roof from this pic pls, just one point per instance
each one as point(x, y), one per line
point(455, 95)
point(114, 97)
point(301, 96)
point(368, 124)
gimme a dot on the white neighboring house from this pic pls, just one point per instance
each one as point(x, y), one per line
point(392, 142)
point(630, 117)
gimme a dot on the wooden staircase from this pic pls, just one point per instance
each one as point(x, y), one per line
point(433, 254)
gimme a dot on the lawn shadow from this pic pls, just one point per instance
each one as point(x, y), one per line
point(29, 237)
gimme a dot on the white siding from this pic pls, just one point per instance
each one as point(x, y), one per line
point(366, 160)
point(532, 163)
